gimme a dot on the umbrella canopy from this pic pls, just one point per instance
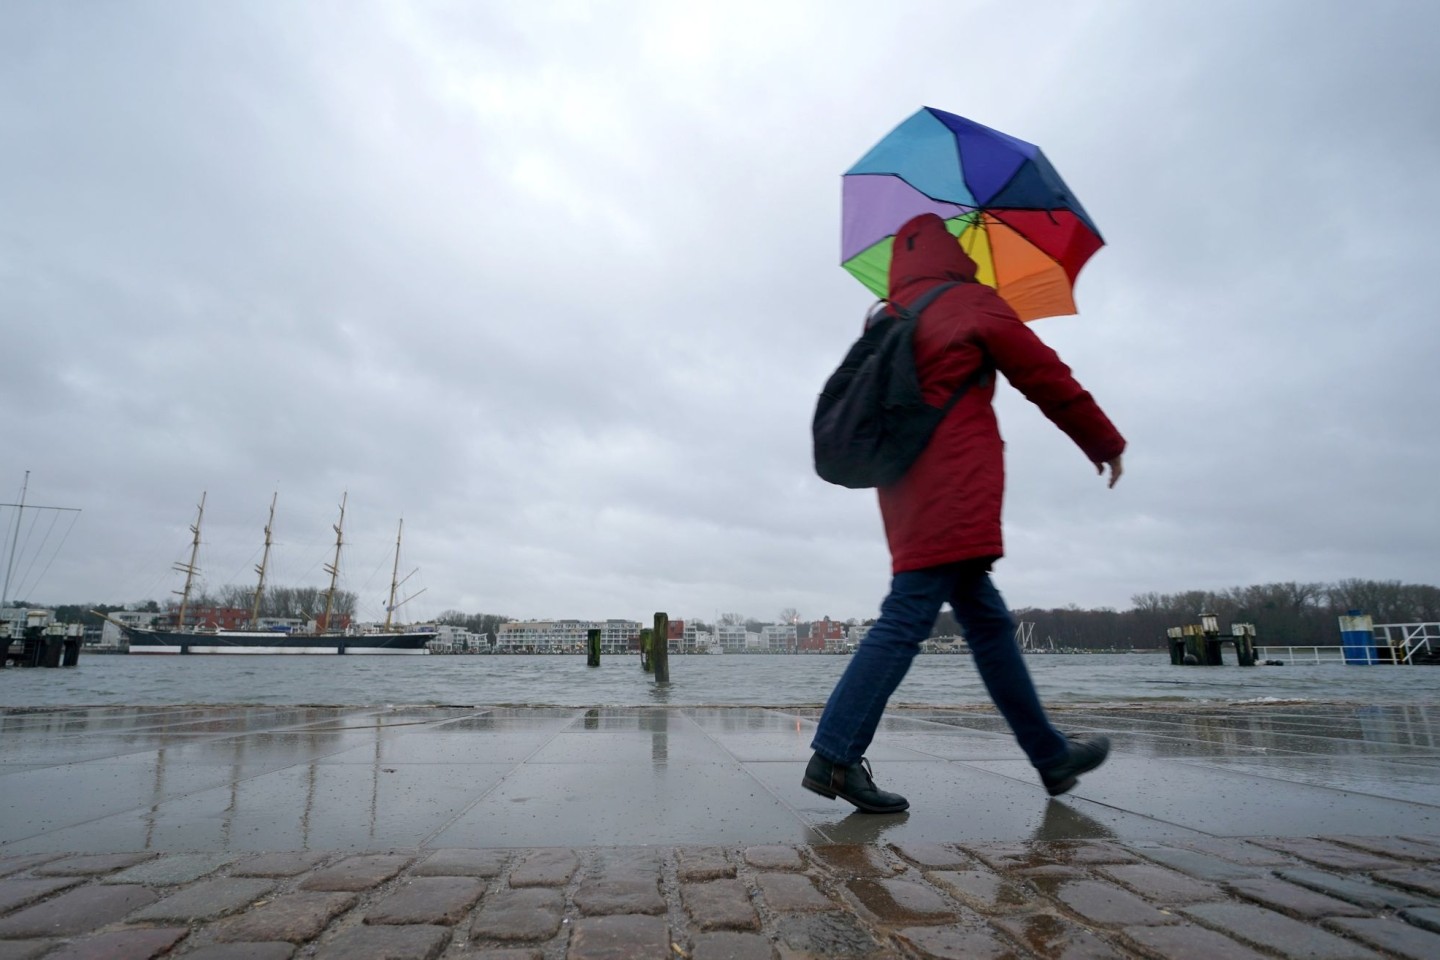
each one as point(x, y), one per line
point(998, 195)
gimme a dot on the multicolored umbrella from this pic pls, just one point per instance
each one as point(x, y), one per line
point(1004, 201)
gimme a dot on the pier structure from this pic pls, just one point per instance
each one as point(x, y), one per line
point(1364, 643)
point(1200, 644)
point(37, 642)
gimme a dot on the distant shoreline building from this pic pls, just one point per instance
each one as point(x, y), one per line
point(566, 636)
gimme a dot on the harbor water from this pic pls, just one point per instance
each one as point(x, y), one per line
point(774, 680)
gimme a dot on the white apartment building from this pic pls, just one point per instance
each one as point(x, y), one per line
point(855, 635)
point(695, 640)
point(564, 636)
point(450, 638)
point(734, 638)
point(778, 637)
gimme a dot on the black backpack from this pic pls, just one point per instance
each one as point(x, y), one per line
point(871, 422)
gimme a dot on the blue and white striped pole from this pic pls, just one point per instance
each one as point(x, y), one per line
point(1357, 636)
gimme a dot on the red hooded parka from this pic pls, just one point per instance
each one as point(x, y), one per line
point(946, 508)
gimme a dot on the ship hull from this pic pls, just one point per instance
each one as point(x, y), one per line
point(230, 642)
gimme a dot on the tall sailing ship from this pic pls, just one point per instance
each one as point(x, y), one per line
point(256, 640)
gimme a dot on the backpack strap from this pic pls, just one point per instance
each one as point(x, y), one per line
point(978, 377)
point(927, 298)
point(981, 372)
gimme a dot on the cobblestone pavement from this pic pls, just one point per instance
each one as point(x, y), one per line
point(1340, 897)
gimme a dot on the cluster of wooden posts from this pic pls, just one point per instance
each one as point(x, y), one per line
point(1199, 644)
point(654, 654)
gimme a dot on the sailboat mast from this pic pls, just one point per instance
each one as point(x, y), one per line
point(189, 569)
point(334, 568)
point(264, 562)
point(394, 577)
point(15, 539)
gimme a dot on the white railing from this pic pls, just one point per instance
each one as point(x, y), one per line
point(1303, 654)
point(1408, 640)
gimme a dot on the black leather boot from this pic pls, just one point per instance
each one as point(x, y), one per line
point(853, 783)
point(1086, 753)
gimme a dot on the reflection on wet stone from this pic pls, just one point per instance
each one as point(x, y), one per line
point(829, 936)
point(1064, 822)
point(1161, 885)
point(984, 890)
point(1091, 853)
point(899, 902)
point(1105, 905)
point(1295, 900)
point(958, 943)
point(855, 860)
point(1358, 891)
point(933, 856)
point(1054, 938)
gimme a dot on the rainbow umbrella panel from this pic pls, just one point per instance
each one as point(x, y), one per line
point(999, 196)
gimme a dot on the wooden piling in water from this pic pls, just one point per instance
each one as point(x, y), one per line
point(660, 644)
point(592, 648)
point(646, 663)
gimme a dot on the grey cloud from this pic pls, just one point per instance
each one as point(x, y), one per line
point(560, 287)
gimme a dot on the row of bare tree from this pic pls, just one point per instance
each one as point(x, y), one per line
point(1284, 614)
point(484, 624)
point(278, 601)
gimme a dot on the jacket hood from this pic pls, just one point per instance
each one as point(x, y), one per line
point(925, 250)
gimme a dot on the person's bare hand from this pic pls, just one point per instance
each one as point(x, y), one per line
point(1115, 470)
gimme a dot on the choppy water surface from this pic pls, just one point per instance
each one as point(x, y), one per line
point(935, 680)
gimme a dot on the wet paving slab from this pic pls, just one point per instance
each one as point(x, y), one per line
point(373, 778)
point(620, 831)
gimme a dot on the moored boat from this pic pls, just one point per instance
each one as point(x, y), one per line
point(261, 639)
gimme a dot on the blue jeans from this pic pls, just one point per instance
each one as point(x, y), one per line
point(906, 618)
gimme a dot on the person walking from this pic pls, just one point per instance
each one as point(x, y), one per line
point(942, 522)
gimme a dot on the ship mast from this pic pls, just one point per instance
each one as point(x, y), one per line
point(189, 569)
point(334, 568)
point(20, 509)
point(395, 582)
point(19, 515)
point(394, 577)
point(264, 562)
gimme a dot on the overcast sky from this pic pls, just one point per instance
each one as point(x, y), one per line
point(558, 283)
